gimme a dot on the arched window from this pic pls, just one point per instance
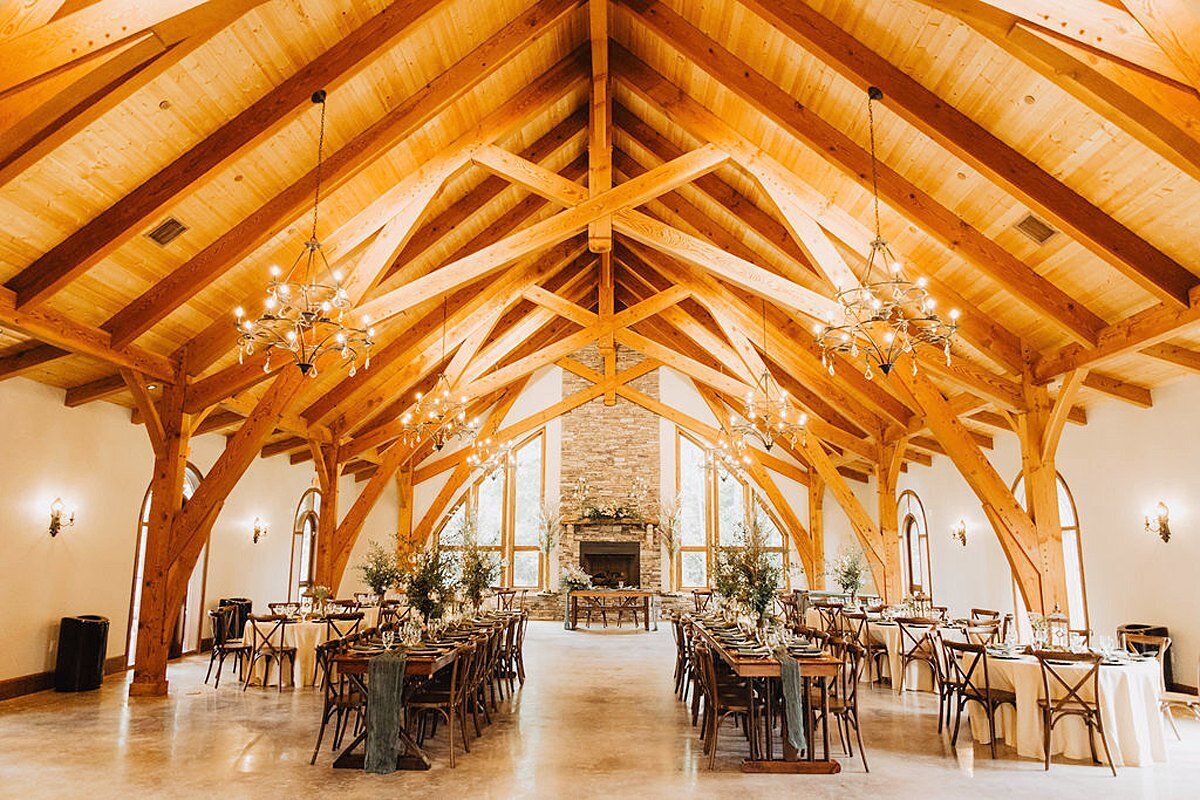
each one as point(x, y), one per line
point(191, 482)
point(914, 544)
point(507, 504)
point(304, 543)
point(714, 503)
point(1072, 543)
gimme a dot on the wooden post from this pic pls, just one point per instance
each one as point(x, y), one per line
point(326, 458)
point(887, 473)
point(404, 491)
point(166, 498)
point(816, 528)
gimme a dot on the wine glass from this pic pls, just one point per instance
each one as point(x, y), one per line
point(389, 637)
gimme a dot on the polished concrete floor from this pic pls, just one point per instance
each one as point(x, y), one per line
point(596, 717)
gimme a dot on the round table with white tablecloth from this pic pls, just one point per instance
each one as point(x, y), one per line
point(1129, 708)
point(305, 636)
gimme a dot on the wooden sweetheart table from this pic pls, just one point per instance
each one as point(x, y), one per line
point(645, 595)
point(814, 674)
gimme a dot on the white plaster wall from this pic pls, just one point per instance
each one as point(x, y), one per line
point(379, 526)
point(97, 461)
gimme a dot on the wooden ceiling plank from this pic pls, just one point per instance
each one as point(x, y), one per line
point(27, 357)
point(1175, 26)
point(904, 197)
point(1137, 259)
point(111, 228)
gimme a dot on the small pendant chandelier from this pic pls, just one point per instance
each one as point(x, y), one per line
point(768, 415)
point(303, 310)
point(438, 415)
point(488, 456)
point(887, 315)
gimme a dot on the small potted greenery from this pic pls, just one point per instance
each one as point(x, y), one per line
point(745, 573)
point(670, 521)
point(549, 525)
point(428, 585)
point(479, 570)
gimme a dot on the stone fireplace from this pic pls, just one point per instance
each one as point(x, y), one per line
point(614, 548)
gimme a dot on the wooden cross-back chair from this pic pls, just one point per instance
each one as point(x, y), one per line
point(1158, 646)
point(843, 699)
point(269, 646)
point(917, 646)
point(970, 679)
point(225, 642)
point(702, 598)
point(830, 613)
point(1072, 700)
point(858, 628)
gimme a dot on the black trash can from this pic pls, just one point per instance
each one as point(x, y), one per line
point(244, 606)
point(82, 646)
point(1142, 629)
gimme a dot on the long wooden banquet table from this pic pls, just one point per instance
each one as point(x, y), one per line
point(645, 595)
point(814, 674)
point(355, 667)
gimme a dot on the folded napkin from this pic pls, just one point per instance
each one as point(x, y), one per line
point(385, 679)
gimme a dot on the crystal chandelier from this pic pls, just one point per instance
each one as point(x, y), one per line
point(438, 415)
point(303, 310)
point(488, 456)
point(769, 416)
point(887, 315)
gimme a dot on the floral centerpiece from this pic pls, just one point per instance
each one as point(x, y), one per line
point(574, 578)
point(849, 570)
point(478, 567)
point(746, 575)
point(317, 597)
point(428, 585)
point(380, 568)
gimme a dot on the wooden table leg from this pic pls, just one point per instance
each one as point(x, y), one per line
point(646, 606)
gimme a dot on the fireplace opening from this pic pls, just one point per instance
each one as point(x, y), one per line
point(612, 564)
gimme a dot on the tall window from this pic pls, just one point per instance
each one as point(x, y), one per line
point(914, 543)
point(714, 503)
point(304, 543)
point(1072, 544)
point(191, 482)
point(506, 504)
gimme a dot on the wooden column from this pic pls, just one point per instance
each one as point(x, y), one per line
point(816, 528)
point(326, 458)
point(1039, 429)
point(166, 498)
point(887, 473)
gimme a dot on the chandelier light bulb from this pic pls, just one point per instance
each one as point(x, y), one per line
point(955, 314)
point(270, 302)
point(239, 312)
point(275, 271)
point(922, 282)
point(338, 276)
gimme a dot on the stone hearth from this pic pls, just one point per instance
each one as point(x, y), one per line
point(609, 533)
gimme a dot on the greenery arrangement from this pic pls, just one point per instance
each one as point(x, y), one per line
point(549, 524)
point(745, 574)
point(318, 593)
point(849, 570)
point(478, 566)
point(380, 569)
point(616, 511)
point(574, 578)
point(428, 585)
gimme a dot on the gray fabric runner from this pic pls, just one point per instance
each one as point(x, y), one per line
point(385, 703)
point(793, 697)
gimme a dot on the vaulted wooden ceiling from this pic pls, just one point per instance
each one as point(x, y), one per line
point(471, 151)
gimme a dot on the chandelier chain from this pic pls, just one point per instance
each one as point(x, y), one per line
point(319, 99)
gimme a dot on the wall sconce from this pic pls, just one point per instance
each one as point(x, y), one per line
point(1159, 522)
point(959, 532)
point(57, 511)
point(260, 530)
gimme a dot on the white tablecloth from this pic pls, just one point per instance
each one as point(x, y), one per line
point(305, 637)
point(920, 675)
point(1128, 705)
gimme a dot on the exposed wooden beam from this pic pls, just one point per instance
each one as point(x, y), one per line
point(600, 124)
point(1138, 260)
point(108, 230)
point(1122, 390)
point(1174, 354)
point(27, 357)
point(925, 212)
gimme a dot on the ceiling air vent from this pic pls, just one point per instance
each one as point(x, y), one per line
point(1035, 229)
point(166, 231)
